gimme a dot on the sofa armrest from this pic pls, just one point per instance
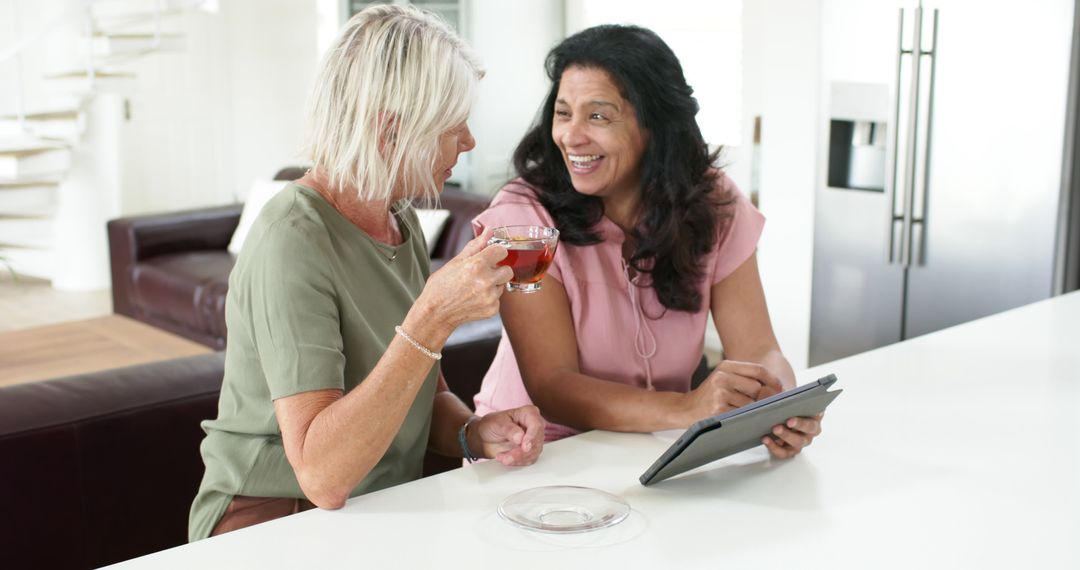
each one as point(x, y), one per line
point(136, 238)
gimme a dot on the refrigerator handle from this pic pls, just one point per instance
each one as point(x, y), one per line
point(918, 247)
point(911, 144)
point(891, 190)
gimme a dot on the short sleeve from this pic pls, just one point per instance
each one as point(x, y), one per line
point(739, 236)
point(516, 205)
point(293, 311)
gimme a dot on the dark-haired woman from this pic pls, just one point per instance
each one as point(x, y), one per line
point(653, 236)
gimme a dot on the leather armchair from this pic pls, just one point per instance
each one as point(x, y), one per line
point(172, 270)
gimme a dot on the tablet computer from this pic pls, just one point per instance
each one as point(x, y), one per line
point(740, 429)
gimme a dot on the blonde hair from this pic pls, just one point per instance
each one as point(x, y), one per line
point(396, 74)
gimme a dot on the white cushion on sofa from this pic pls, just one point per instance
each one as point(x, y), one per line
point(431, 223)
point(260, 193)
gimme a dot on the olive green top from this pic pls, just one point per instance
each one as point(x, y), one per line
point(312, 304)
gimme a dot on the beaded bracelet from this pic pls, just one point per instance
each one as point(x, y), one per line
point(428, 352)
point(463, 440)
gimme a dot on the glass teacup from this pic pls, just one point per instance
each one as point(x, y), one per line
point(530, 250)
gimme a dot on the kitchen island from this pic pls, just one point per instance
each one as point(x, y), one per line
point(957, 449)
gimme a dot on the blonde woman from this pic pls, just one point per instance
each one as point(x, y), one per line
point(332, 386)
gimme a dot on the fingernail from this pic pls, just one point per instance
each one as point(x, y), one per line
point(778, 430)
point(791, 423)
point(765, 440)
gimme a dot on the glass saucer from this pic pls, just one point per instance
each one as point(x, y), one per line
point(564, 509)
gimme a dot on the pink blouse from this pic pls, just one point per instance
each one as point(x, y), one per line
point(623, 332)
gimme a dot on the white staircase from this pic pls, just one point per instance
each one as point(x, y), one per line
point(127, 44)
point(58, 123)
point(59, 153)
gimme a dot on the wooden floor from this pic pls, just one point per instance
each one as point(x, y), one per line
point(78, 347)
point(46, 333)
point(27, 302)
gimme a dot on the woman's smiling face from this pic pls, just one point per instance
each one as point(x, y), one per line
point(598, 133)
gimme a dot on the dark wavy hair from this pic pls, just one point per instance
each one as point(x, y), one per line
point(682, 209)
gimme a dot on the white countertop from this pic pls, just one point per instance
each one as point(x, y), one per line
point(958, 449)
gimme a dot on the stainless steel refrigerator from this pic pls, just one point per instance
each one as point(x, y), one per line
point(941, 156)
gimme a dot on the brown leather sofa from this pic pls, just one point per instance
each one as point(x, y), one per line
point(172, 270)
point(102, 467)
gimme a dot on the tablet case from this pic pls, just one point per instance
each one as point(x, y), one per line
point(740, 429)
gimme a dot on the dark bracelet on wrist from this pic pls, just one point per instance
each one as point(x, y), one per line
point(463, 439)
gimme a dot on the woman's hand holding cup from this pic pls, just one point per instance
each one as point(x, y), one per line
point(468, 287)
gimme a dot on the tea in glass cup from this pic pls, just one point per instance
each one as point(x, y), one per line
point(530, 250)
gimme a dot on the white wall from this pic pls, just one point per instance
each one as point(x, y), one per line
point(705, 35)
point(512, 39)
point(176, 150)
point(274, 60)
point(780, 83)
point(58, 49)
point(206, 122)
